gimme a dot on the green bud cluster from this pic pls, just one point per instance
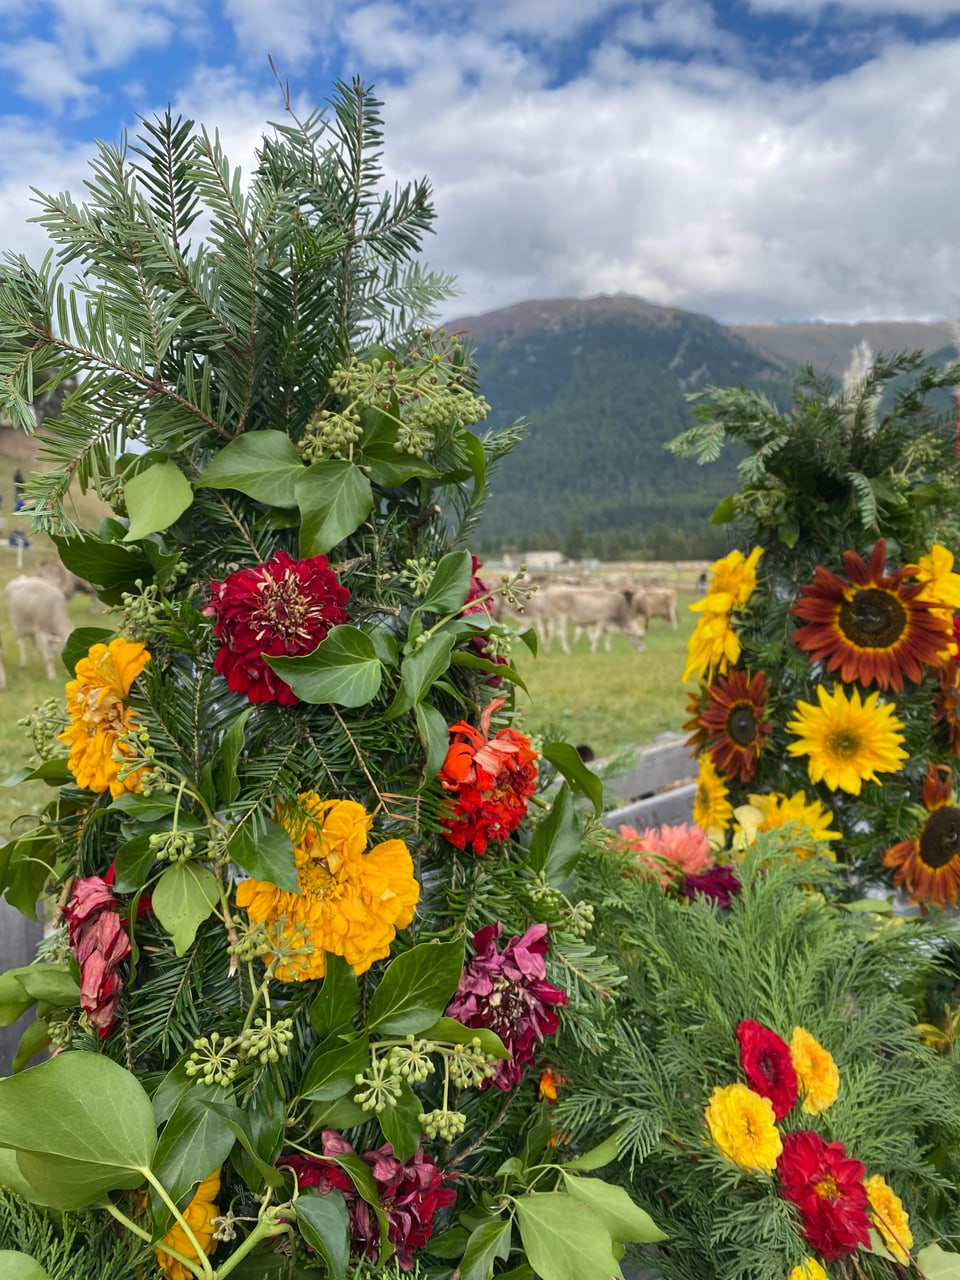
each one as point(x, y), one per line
point(211, 1060)
point(469, 1065)
point(580, 920)
point(225, 1228)
point(173, 846)
point(44, 725)
point(382, 1087)
point(545, 894)
point(412, 1061)
point(61, 1032)
point(418, 574)
point(138, 614)
point(251, 940)
point(444, 1124)
point(265, 1041)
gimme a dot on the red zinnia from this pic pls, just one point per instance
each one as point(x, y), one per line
point(99, 943)
point(493, 779)
point(827, 1187)
point(281, 608)
point(767, 1064)
point(410, 1195)
point(506, 992)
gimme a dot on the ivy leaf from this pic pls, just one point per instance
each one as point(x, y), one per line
point(400, 1124)
point(566, 760)
point(555, 844)
point(416, 988)
point(231, 748)
point(334, 500)
point(724, 511)
point(450, 584)
point(450, 1031)
point(489, 1241)
point(79, 643)
point(598, 1156)
point(343, 669)
point(184, 896)
point(155, 498)
point(936, 1264)
point(195, 1141)
point(20, 1266)
point(420, 671)
point(564, 1239)
point(331, 1071)
point(626, 1221)
point(111, 568)
point(434, 734)
point(325, 1225)
point(264, 465)
point(337, 1000)
point(133, 863)
point(265, 851)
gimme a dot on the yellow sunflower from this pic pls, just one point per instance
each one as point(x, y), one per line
point(712, 810)
point(816, 1070)
point(714, 644)
point(732, 582)
point(773, 811)
point(99, 716)
point(350, 903)
point(742, 1125)
point(808, 1270)
point(199, 1214)
point(849, 741)
point(941, 588)
point(889, 1217)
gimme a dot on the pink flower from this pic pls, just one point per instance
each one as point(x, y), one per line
point(410, 1195)
point(100, 943)
point(506, 992)
point(669, 852)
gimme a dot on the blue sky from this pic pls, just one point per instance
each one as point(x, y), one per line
point(751, 159)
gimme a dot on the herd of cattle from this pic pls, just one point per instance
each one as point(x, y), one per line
point(596, 607)
point(37, 609)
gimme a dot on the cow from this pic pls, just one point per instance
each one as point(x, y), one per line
point(70, 583)
point(599, 611)
point(657, 602)
point(35, 607)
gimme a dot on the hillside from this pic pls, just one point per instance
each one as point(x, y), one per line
point(602, 384)
point(828, 346)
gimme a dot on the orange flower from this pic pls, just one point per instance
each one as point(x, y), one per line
point(928, 865)
point(199, 1215)
point(816, 1071)
point(99, 718)
point(889, 1217)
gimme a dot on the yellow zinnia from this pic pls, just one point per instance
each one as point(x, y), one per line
point(99, 717)
point(742, 1125)
point(849, 741)
point(350, 903)
point(808, 1270)
point(816, 1070)
point(773, 811)
point(712, 810)
point(889, 1217)
point(199, 1214)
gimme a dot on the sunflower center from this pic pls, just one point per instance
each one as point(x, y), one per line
point(873, 619)
point(826, 1188)
point(742, 725)
point(940, 838)
point(844, 743)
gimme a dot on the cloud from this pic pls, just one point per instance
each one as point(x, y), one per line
point(934, 10)
point(292, 33)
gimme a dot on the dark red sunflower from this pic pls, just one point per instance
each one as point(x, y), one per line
point(946, 704)
point(734, 718)
point(283, 607)
point(928, 865)
point(697, 739)
point(827, 1187)
point(872, 627)
point(768, 1065)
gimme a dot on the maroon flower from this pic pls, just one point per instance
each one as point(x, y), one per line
point(768, 1066)
point(507, 993)
point(281, 608)
point(477, 604)
point(410, 1195)
point(719, 883)
point(100, 943)
point(827, 1187)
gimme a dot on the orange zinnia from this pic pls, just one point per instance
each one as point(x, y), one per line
point(872, 627)
point(928, 865)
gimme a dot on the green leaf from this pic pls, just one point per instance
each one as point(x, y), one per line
point(134, 861)
point(362, 1178)
point(34, 1040)
point(325, 1225)
point(54, 772)
point(555, 844)
point(80, 1124)
point(450, 584)
point(343, 669)
point(111, 568)
point(416, 988)
point(434, 733)
point(155, 498)
point(176, 1084)
point(331, 1071)
point(79, 643)
point(264, 465)
point(788, 531)
point(419, 672)
point(25, 866)
point(265, 851)
point(269, 1130)
point(194, 1142)
point(20, 1266)
point(334, 500)
point(566, 760)
point(184, 897)
point(53, 983)
point(489, 1241)
point(461, 658)
point(385, 645)
point(625, 1221)
point(450, 1031)
point(564, 1239)
point(936, 1264)
point(231, 748)
point(599, 1155)
point(145, 808)
point(387, 466)
point(336, 1001)
point(400, 1124)
point(724, 511)
point(472, 446)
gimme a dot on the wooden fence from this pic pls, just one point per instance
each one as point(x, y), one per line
point(658, 790)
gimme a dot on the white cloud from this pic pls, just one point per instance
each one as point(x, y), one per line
point(292, 33)
point(935, 10)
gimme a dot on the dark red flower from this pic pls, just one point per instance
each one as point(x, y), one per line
point(99, 943)
point(493, 779)
point(281, 608)
point(506, 992)
point(719, 883)
point(827, 1187)
point(478, 602)
point(767, 1064)
point(410, 1195)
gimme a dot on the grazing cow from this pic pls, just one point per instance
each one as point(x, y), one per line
point(657, 602)
point(533, 612)
point(56, 571)
point(597, 610)
point(35, 607)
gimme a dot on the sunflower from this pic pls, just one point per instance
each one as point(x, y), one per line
point(733, 581)
point(692, 726)
point(712, 810)
point(773, 811)
point(946, 704)
point(941, 586)
point(350, 903)
point(714, 644)
point(873, 627)
point(928, 864)
point(735, 719)
point(100, 718)
point(889, 1217)
point(849, 741)
point(741, 1124)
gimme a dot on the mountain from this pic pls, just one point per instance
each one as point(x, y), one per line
point(828, 346)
